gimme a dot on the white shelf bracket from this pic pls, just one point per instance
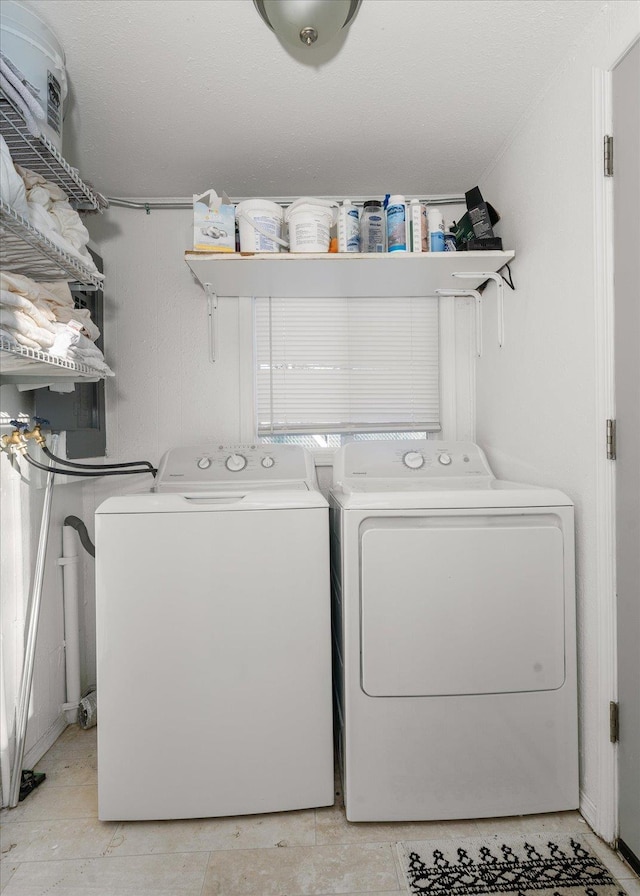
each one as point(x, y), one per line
point(212, 313)
point(478, 309)
point(497, 279)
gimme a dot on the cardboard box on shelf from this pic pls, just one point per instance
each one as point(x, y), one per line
point(214, 223)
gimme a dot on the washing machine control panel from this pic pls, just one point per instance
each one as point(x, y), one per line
point(409, 459)
point(212, 466)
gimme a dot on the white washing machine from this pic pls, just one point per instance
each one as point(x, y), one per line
point(214, 638)
point(454, 636)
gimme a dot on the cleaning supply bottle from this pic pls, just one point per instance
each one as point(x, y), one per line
point(436, 230)
point(397, 224)
point(418, 226)
point(372, 227)
point(348, 227)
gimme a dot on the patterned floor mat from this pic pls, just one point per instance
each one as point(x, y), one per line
point(535, 865)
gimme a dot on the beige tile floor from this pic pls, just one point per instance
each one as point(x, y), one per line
point(53, 844)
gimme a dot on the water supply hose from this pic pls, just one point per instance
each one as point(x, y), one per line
point(69, 463)
point(99, 471)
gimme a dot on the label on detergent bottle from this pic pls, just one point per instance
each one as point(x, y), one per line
point(269, 225)
point(353, 230)
point(396, 228)
point(348, 229)
point(436, 230)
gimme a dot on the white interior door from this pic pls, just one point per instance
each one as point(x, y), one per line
point(626, 133)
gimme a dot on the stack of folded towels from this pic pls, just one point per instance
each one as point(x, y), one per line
point(42, 316)
point(46, 207)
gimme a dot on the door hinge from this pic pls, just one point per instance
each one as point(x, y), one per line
point(611, 439)
point(608, 156)
point(614, 722)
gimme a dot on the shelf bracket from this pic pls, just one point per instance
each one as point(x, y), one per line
point(497, 279)
point(212, 313)
point(478, 308)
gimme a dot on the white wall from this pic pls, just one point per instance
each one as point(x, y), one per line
point(536, 398)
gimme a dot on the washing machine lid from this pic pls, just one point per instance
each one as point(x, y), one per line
point(215, 501)
point(449, 494)
point(213, 477)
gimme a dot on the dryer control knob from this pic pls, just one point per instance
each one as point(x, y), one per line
point(235, 462)
point(413, 459)
point(444, 459)
point(267, 462)
point(204, 463)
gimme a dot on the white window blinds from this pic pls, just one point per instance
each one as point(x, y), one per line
point(339, 365)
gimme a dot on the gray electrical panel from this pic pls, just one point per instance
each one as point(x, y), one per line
point(81, 413)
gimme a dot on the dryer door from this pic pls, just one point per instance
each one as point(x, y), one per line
point(462, 604)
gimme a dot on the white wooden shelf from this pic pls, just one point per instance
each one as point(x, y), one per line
point(28, 366)
point(289, 275)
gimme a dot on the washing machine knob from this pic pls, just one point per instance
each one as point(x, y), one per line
point(444, 459)
point(413, 459)
point(267, 462)
point(204, 463)
point(235, 462)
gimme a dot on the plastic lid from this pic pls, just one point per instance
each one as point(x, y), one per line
point(372, 203)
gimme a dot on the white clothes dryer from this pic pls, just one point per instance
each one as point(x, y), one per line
point(214, 638)
point(454, 636)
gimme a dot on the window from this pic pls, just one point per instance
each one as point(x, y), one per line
point(332, 369)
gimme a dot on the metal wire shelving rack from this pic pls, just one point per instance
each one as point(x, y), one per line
point(21, 364)
point(40, 156)
point(25, 250)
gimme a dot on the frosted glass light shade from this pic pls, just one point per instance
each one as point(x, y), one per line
point(311, 22)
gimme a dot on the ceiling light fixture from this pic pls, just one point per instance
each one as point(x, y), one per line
point(313, 22)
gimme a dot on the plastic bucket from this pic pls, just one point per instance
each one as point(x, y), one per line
point(32, 47)
point(260, 225)
point(310, 222)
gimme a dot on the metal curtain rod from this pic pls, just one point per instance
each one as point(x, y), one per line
point(150, 205)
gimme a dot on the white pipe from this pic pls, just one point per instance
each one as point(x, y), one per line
point(70, 568)
point(5, 747)
point(33, 614)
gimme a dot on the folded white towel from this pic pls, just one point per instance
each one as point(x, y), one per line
point(54, 300)
point(12, 188)
point(25, 286)
point(15, 299)
point(19, 102)
point(28, 94)
point(18, 338)
point(71, 226)
point(20, 322)
point(91, 359)
point(39, 189)
point(17, 302)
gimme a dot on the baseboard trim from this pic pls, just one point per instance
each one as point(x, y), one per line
point(588, 810)
point(37, 751)
point(629, 856)
point(48, 739)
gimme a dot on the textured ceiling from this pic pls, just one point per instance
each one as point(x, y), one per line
point(171, 97)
